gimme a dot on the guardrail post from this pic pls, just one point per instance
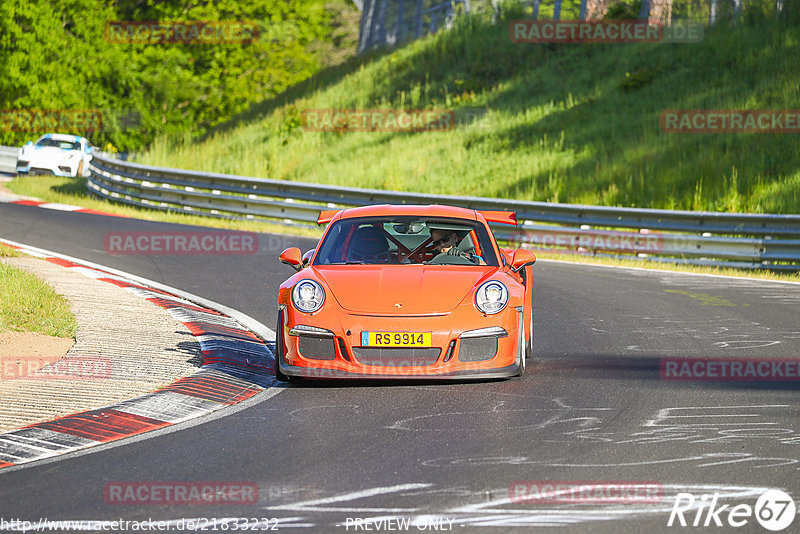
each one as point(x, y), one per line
point(418, 20)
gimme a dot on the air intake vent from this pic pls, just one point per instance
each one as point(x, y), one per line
point(316, 348)
point(397, 357)
point(343, 349)
point(477, 349)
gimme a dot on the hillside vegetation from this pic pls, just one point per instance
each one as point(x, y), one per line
point(58, 55)
point(556, 122)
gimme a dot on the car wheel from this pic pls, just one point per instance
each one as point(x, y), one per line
point(279, 350)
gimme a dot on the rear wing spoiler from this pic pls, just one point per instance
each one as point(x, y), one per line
point(326, 216)
point(502, 217)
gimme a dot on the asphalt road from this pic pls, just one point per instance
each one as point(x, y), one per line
point(592, 407)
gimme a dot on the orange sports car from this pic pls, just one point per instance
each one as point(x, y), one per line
point(401, 291)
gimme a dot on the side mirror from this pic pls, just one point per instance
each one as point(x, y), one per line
point(307, 257)
point(520, 258)
point(291, 256)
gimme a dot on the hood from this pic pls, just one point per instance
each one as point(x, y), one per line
point(418, 289)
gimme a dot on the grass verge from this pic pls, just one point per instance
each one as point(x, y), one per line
point(28, 304)
point(9, 252)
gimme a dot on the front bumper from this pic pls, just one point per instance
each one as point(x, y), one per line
point(62, 168)
point(311, 350)
point(324, 373)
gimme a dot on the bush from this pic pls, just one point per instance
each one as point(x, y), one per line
point(624, 11)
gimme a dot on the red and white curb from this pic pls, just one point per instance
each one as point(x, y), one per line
point(61, 207)
point(237, 364)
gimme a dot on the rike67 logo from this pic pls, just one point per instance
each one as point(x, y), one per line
point(774, 510)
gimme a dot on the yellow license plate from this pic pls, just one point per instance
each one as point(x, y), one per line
point(396, 339)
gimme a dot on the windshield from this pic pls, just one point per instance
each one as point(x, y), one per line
point(407, 241)
point(65, 145)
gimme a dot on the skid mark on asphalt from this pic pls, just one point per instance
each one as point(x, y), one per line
point(490, 507)
point(772, 293)
point(721, 332)
point(348, 409)
point(321, 505)
point(697, 460)
point(560, 413)
point(704, 298)
point(746, 426)
point(496, 512)
point(716, 424)
point(712, 331)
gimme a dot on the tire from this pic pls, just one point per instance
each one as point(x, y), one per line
point(521, 363)
point(521, 353)
point(529, 343)
point(279, 376)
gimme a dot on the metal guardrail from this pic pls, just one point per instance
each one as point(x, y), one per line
point(732, 239)
point(8, 159)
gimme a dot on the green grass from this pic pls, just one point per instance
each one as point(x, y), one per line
point(28, 304)
point(9, 252)
point(563, 123)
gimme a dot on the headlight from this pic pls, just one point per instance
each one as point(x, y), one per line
point(308, 296)
point(491, 297)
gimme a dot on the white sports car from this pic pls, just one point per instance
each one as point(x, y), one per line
point(59, 154)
